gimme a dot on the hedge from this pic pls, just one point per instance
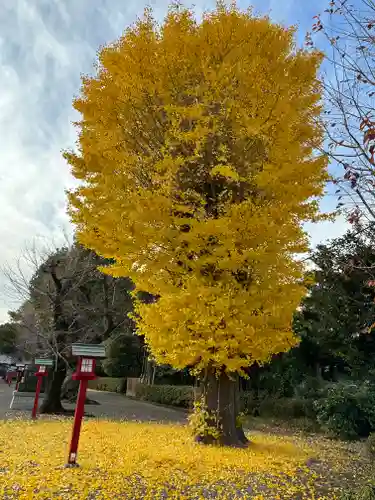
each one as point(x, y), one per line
point(347, 410)
point(183, 396)
point(109, 384)
point(173, 395)
point(287, 408)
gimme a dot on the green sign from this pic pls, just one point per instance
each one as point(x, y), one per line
point(45, 362)
point(89, 350)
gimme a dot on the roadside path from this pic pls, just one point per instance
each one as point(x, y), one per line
point(111, 406)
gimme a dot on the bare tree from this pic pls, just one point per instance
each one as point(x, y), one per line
point(29, 342)
point(66, 300)
point(348, 30)
point(48, 316)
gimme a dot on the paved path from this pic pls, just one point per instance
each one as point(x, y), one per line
point(112, 406)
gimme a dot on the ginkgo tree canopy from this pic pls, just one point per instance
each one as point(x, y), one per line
point(196, 156)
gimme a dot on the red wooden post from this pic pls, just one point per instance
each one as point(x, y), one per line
point(38, 387)
point(42, 372)
point(85, 371)
point(78, 415)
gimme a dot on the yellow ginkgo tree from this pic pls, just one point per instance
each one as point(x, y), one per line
point(197, 168)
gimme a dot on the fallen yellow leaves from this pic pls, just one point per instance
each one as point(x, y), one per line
point(131, 460)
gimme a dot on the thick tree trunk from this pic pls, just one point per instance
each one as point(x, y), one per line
point(221, 397)
point(69, 389)
point(147, 371)
point(52, 399)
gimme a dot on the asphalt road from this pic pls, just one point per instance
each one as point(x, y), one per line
point(111, 406)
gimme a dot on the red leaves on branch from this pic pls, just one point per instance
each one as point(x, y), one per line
point(372, 151)
point(318, 26)
point(354, 217)
point(351, 176)
point(366, 122)
point(369, 135)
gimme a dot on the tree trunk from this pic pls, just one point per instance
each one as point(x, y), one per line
point(52, 399)
point(69, 389)
point(147, 371)
point(221, 397)
point(153, 374)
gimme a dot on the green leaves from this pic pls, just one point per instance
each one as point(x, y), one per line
point(339, 309)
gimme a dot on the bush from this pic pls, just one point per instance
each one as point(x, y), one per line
point(248, 403)
point(182, 396)
point(347, 411)
point(366, 492)
point(370, 445)
point(108, 384)
point(310, 388)
point(284, 408)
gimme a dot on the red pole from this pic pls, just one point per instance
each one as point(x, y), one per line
point(80, 410)
point(37, 391)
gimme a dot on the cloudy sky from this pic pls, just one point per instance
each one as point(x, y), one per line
point(45, 45)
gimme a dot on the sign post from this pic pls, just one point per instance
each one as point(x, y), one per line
point(42, 372)
point(87, 355)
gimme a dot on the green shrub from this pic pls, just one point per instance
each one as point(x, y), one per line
point(249, 404)
point(108, 384)
point(366, 492)
point(310, 388)
point(309, 408)
point(182, 396)
point(347, 410)
point(370, 445)
point(283, 408)
point(286, 408)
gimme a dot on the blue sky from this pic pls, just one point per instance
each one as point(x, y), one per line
point(45, 45)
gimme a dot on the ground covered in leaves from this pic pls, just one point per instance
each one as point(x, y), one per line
point(130, 460)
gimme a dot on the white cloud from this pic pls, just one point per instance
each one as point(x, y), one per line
point(44, 47)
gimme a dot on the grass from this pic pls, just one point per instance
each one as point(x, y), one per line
point(131, 460)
